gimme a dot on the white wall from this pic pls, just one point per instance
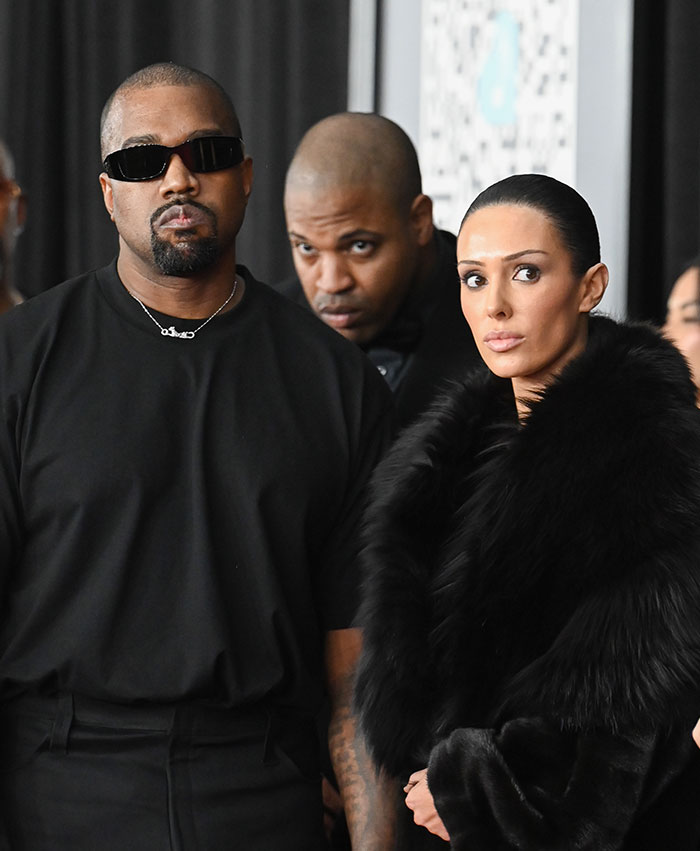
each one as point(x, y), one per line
point(603, 106)
point(400, 64)
point(604, 134)
point(362, 54)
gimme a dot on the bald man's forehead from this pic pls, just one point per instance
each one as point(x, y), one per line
point(317, 179)
point(350, 194)
point(344, 213)
point(320, 191)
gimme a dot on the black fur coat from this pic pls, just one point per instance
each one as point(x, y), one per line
point(532, 607)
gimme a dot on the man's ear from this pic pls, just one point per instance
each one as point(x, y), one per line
point(421, 219)
point(593, 286)
point(247, 176)
point(107, 196)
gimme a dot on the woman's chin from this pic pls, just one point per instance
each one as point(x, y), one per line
point(502, 369)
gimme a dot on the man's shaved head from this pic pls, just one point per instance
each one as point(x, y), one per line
point(360, 228)
point(355, 149)
point(163, 74)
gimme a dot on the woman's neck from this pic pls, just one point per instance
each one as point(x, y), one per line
point(528, 389)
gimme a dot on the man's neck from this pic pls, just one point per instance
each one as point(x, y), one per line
point(191, 297)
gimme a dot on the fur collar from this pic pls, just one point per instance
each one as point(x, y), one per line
point(545, 570)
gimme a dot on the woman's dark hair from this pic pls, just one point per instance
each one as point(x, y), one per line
point(562, 205)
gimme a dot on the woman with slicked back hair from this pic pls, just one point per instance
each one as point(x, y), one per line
point(531, 631)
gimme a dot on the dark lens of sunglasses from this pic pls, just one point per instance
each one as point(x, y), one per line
point(140, 162)
point(144, 162)
point(212, 153)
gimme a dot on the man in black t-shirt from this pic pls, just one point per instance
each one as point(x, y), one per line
point(182, 464)
point(369, 261)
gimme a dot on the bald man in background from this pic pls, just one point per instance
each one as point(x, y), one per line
point(369, 260)
point(13, 210)
point(372, 265)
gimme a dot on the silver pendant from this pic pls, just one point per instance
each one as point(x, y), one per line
point(184, 335)
point(171, 332)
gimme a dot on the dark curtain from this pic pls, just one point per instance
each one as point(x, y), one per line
point(284, 63)
point(665, 162)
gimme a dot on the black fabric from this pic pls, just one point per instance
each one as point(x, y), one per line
point(428, 342)
point(60, 61)
point(177, 517)
point(390, 363)
point(181, 778)
point(531, 613)
point(664, 229)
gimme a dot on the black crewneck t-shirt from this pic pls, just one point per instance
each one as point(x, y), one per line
point(178, 518)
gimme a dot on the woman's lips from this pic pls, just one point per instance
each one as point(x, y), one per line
point(502, 341)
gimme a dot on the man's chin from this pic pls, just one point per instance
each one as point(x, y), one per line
point(185, 257)
point(359, 335)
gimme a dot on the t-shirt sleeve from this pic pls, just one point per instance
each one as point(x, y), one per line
point(339, 587)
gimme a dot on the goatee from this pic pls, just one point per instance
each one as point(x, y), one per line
point(186, 257)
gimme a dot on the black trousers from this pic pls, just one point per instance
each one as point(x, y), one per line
point(88, 776)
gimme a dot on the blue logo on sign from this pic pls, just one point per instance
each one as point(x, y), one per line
point(497, 86)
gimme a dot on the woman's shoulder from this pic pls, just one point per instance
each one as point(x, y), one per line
point(628, 398)
point(443, 439)
point(633, 358)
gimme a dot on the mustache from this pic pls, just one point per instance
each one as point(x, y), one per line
point(179, 202)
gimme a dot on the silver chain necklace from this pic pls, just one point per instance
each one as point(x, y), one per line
point(184, 335)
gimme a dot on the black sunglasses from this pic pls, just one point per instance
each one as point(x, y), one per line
point(144, 162)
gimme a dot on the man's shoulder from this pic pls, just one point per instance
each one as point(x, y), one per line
point(43, 329)
point(294, 317)
point(290, 301)
point(312, 351)
point(291, 288)
point(50, 303)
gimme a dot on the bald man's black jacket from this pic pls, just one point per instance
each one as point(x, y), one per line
point(432, 332)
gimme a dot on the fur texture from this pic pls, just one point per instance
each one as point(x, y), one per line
point(533, 599)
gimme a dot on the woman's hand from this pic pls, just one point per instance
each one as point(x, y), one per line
point(419, 799)
point(696, 734)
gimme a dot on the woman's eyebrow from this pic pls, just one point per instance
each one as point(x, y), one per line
point(507, 257)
